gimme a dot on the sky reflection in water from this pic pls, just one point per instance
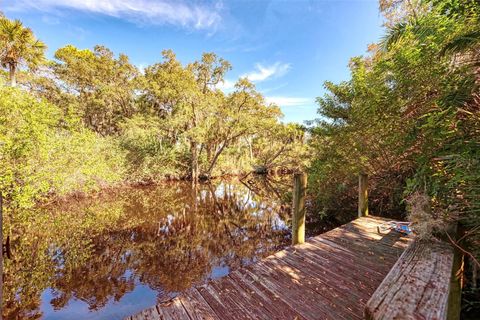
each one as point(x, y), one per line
point(110, 256)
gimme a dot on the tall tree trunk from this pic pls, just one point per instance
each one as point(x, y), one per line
point(214, 161)
point(194, 164)
point(12, 71)
point(209, 153)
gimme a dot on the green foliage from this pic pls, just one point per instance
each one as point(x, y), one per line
point(199, 125)
point(18, 47)
point(241, 114)
point(90, 119)
point(409, 117)
point(290, 153)
point(168, 87)
point(26, 127)
point(38, 157)
point(103, 87)
point(82, 161)
point(150, 154)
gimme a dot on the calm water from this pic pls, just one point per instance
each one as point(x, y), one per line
point(110, 256)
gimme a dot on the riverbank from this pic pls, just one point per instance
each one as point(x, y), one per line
point(53, 199)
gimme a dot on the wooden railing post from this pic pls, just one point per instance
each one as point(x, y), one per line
point(362, 195)
point(298, 214)
point(454, 307)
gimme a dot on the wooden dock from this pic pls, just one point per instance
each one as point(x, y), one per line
point(330, 276)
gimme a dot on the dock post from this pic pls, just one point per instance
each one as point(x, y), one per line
point(298, 208)
point(362, 195)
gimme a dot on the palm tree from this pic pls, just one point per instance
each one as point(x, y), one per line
point(18, 46)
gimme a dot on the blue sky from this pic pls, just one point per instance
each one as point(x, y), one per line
point(287, 48)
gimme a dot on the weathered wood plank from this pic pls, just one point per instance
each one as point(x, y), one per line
point(331, 247)
point(330, 276)
point(219, 305)
point(331, 291)
point(175, 310)
point(417, 286)
point(369, 249)
point(301, 301)
point(148, 314)
point(196, 307)
point(262, 295)
point(342, 265)
point(234, 298)
point(370, 236)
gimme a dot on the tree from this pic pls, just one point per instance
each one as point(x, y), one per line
point(170, 92)
point(208, 72)
point(281, 146)
point(409, 116)
point(195, 103)
point(103, 86)
point(194, 115)
point(242, 113)
point(399, 11)
point(18, 47)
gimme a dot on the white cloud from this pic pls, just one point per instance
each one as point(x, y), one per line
point(289, 101)
point(265, 72)
point(261, 73)
point(175, 12)
point(226, 85)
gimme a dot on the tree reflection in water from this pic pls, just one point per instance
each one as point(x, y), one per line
point(168, 238)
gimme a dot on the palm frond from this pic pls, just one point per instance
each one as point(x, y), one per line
point(462, 43)
point(19, 45)
point(393, 35)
